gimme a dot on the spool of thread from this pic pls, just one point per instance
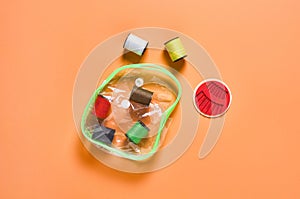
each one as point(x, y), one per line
point(141, 95)
point(102, 133)
point(137, 132)
point(135, 44)
point(175, 49)
point(102, 107)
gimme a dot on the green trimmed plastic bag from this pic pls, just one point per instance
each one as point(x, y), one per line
point(127, 113)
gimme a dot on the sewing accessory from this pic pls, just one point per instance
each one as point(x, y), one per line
point(175, 49)
point(102, 107)
point(141, 96)
point(137, 132)
point(212, 98)
point(135, 44)
point(139, 82)
point(125, 104)
point(102, 133)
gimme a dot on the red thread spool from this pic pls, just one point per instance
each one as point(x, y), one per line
point(212, 98)
point(102, 107)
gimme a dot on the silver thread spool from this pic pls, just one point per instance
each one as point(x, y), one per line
point(135, 44)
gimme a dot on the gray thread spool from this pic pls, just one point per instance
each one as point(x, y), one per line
point(141, 96)
point(102, 133)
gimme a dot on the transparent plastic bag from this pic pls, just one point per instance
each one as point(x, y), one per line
point(127, 113)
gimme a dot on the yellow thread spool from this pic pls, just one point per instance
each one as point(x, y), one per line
point(175, 49)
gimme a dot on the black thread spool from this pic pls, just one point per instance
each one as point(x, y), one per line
point(102, 133)
point(141, 95)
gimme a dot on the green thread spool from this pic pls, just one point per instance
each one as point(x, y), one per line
point(175, 49)
point(137, 132)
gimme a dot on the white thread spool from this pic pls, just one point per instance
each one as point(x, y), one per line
point(135, 44)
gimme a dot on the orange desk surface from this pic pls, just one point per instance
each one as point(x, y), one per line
point(255, 44)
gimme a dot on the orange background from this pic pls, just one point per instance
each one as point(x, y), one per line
point(255, 44)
